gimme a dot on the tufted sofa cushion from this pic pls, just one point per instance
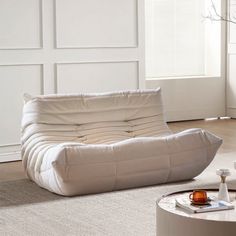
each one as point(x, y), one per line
point(79, 144)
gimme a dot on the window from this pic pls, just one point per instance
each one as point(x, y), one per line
point(180, 41)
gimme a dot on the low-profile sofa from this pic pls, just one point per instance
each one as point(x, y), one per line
point(90, 143)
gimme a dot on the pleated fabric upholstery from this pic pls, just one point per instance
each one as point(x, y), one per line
point(89, 143)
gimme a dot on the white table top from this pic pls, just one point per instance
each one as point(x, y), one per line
point(168, 204)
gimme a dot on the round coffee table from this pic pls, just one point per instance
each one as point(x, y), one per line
point(173, 221)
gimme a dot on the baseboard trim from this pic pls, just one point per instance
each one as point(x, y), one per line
point(8, 157)
point(197, 114)
point(231, 112)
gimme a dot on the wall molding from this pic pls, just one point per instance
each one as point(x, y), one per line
point(230, 25)
point(10, 153)
point(31, 78)
point(30, 64)
point(8, 157)
point(40, 32)
point(56, 65)
point(136, 45)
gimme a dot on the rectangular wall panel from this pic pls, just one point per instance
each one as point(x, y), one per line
point(20, 24)
point(97, 77)
point(15, 81)
point(232, 27)
point(231, 83)
point(92, 23)
point(231, 62)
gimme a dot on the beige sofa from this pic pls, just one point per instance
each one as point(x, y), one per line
point(90, 143)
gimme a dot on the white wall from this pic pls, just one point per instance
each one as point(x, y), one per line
point(231, 80)
point(63, 46)
point(191, 98)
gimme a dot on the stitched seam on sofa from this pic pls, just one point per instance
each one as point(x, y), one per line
point(79, 128)
point(146, 130)
point(157, 118)
point(81, 97)
point(115, 160)
point(150, 124)
point(70, 124)
point(133, 93)
point(157, 170)
point(141, 172)
point(31, 157)
point(88, 178)
point(82, 164)
point(41, 153)
point(169, 160)
point(40, 149)
point(200, 147)
point(96, 111)
point(201, 168)
point(182, 165)
point(192, 149)
point(146, 133)
point(87, 145)
point(100, 132)
point(133, 122)
point(57, 182)
point(142, 158)
point(104, 162)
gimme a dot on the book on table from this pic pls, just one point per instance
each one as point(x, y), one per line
point(212, 205)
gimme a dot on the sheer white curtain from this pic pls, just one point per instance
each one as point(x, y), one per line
point(177, 42)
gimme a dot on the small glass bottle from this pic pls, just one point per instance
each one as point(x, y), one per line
point(223, 189)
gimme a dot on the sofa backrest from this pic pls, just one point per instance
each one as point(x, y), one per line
point(138, 107)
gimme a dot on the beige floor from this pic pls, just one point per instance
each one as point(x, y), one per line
point(225, 128)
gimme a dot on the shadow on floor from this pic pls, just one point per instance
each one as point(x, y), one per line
point(25, 192)
point(20, 192)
